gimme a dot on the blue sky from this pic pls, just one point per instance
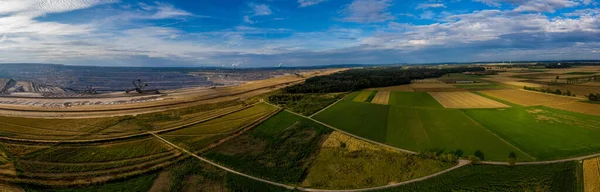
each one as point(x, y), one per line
point(266, 33)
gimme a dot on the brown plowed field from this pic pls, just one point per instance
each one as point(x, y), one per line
point(465, 100)
point(382, 97)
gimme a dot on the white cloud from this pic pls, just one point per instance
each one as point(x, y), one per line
point(261, 9)
point(306, 3)
point(430, 5)
point(367, 11)
point(545, 5)
point(248, 20)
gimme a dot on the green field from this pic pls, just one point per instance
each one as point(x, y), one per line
point(279, 149)
point(99, 153)
point(449, 129)
point(140, 183)
point(370, 98)
point(362, 119)
point(414, 99)
point(418, 129)
point(197, 137)
point(559, 177)
point(363, 96)
point(543, 132)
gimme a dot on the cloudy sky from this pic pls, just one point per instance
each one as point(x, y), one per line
point(265, 33)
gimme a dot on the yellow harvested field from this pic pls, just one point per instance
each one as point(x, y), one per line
point(465, 100)
point(529, 98)
point(522, 84)
point(382, 97)
point(398, 88)
point(363, 96)
point(580, 107)
point(591, 175)
point(512, 81)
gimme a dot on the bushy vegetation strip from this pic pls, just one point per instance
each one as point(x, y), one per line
point(548, 90)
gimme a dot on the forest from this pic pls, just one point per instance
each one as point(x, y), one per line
point(357, 79)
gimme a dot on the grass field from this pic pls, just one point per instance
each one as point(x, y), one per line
point(347, 163)
point(198, 136)
point(281, 149)
point(417, 129)
point(363, 119)
point(66, 129)
point(413, 99)
point(559, 177)
point(543, 132)
point(450, 129)
point(99, 153)
point(371, 97)
point(363, 96)
point(351, 96)
point(140, 183)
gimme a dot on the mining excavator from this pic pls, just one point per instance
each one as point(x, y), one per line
point(90, 90)
point(140, 88)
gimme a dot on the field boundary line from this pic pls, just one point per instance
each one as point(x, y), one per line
point(349, 134)
point(127, 136)
point(460, 164)
point(578, 98)
point(330, 105)
point(501, 139)
point(223, 167)
point(543, 162)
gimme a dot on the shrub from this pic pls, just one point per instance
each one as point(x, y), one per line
point(474, 159)
point(479, 154)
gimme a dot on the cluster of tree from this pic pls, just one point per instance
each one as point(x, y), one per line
point(548, 90)
point(356, 79)
point(442, 155)
point(594, 97)
point(554, 65)
point(305, 104)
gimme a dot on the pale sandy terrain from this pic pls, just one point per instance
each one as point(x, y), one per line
point(382, 97)
point(465, 100)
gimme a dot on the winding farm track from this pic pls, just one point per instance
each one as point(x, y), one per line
point(459, 165)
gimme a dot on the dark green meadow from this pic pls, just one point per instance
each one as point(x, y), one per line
point(561, 177)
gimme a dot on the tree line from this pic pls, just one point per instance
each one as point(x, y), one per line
point(356, 79)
